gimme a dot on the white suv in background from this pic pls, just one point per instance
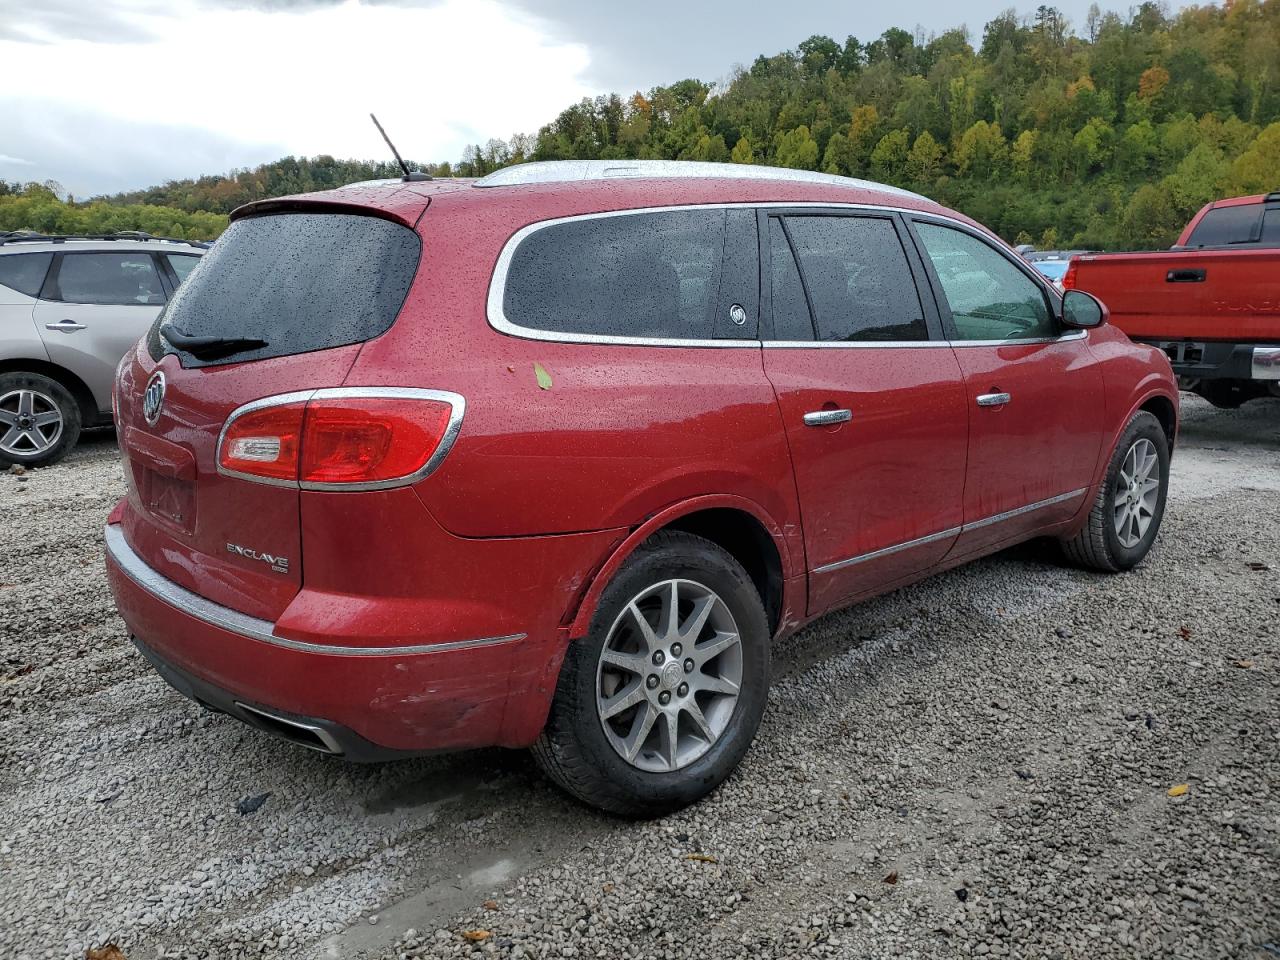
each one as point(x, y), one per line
point(70, 307)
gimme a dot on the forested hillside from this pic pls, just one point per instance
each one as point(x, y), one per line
point(1105, 134)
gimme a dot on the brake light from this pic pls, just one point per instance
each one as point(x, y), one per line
point(370, 440)
point(347, 437)
point(1069, 278)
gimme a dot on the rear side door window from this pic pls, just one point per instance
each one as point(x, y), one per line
point(122, 279)
point(649, 275)
point(842, 279)
point(989, 296)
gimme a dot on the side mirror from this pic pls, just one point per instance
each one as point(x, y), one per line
point(1082, 310)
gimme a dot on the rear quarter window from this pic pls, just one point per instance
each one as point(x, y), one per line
point(299, 281)
point(24, 272)
point(642, 275)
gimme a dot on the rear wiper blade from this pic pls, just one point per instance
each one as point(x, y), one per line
point(209, 348)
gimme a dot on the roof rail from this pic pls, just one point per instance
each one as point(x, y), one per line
point(30, 236)
point(562, 171)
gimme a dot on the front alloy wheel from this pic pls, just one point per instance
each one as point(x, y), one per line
point(669, 675)
point(1125, 516)
point(1136, 493)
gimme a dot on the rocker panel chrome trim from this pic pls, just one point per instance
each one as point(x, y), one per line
point(950, 532)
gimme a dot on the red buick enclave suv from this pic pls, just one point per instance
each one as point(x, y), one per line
point(551, 458)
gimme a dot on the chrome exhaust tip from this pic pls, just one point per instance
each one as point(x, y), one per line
point(304, 734)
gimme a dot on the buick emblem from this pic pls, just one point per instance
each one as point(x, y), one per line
point(153, 398)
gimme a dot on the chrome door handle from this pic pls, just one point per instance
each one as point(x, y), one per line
point(824, 418)
point(993, 399)
point(67, 325)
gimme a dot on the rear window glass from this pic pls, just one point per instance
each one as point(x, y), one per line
point(24, 272)
point(633, 275)
point(298, 281)
point(1225, 225)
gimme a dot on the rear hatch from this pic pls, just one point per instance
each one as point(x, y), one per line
point(281, 304)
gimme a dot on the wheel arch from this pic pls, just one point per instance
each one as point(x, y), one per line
point(75, 386)
point(1164, 410)
point(740, 526)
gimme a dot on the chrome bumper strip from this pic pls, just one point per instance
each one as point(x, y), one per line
point(192, 604)
point(951, 532)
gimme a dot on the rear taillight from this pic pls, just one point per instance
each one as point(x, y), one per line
point(348, 438)
point(1069, 278)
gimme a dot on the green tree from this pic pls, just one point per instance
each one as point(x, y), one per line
point(797, 149)
point(924, 163)
point(1257, 170)
point(742, 152)
point(889, 157)
point(982, 151)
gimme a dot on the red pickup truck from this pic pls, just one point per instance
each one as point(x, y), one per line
point(1212, 303)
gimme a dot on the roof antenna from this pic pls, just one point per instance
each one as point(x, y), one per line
point(410, 176)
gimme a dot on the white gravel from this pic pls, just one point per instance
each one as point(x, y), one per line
point(1006, 733)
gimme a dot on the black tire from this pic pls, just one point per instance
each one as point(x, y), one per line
point(574, 749)
point(51, 395)
point(1098, 545)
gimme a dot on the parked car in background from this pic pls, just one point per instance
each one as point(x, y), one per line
point(552, 458)
point(1212, 303)
point(70, 307)
point(1052, 264)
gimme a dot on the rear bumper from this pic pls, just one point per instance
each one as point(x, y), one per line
point(366, 703)
point(1221, 361)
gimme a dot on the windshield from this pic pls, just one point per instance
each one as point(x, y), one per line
point(289, 283)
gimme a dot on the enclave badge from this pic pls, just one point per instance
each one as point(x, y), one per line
point(278, 564)
point(153, 398)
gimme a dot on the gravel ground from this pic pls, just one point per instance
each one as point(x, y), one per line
point(979, 765)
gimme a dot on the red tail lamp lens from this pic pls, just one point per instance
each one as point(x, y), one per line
point(264, 443)
point(1069, 278)
point(370, 439)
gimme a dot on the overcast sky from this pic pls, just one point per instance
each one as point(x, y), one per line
point(108, 95)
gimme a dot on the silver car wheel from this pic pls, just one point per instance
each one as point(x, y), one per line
point(31, 423)
point(669, 675)
point(1136, 493)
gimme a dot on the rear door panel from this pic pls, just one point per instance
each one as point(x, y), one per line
point(880, 494)
point(90, 338)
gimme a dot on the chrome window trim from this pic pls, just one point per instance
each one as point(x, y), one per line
point(499, 321)
point(950, 532)
point(457, 408)
point(1014, 341)
point(254, 628)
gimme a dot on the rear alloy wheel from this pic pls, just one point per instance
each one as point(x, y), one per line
point(669, 675)
point(1126, 513)
point(659, 703)
point(39, 420)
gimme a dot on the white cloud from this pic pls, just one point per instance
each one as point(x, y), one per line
point(438, 77)
point(15, 161)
